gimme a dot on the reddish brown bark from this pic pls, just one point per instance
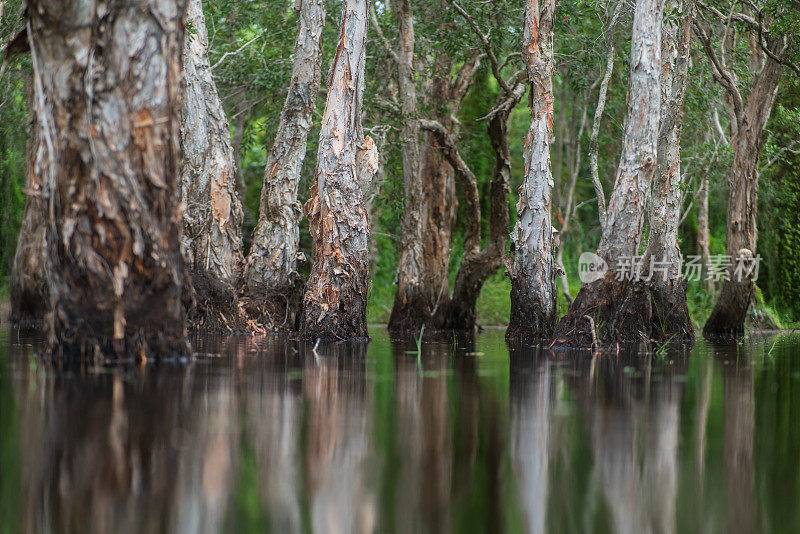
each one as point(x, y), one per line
point(108, 105)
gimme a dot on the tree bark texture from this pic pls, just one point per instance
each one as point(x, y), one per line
point(212, 234)
point(618, 308)
point(335, 303)
point(421, 296)
point(29, 294)
point(662, 260)
point(411, 306)
point(533, 273)
point(107, 79)
point(271, 279)
point(729, 313)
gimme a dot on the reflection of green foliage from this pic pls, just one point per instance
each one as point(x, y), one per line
point(9, 446)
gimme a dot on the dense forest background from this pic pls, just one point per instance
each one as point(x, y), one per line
point(251, 45)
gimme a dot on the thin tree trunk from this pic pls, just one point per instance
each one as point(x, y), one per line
point(703, 235)
point(212, 220)
point(533, 273)
point(271, 277)
point(411, 306)
point(108, 103)
point(335, 303)
point(29, 294)
point(620, 310)
point(728, 316)
point(662, 260)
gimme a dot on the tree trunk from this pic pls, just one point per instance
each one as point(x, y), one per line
point(271, 279)
point(703, 236)
point(423, 296)
point(728, 316)
point(619, 309)
point(108, 102)
point(29, 295)
point(533, 273)
point(662, 260)
point(212, 220)
point(411, 305)
point(335, 303)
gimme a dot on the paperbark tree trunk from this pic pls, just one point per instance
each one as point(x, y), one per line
point(728, 316)
point(335, 303)
point(411, 307)
point(620, 309)
point(29, 294)
point(108, 102)
point(533, 273)
point(703, 235)
point(212, 220)
point(271, 279)
point(421, 295)
point(662, 260)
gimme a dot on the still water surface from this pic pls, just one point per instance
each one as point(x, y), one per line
point(263, 434)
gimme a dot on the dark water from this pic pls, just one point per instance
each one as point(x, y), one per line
point(260, 434)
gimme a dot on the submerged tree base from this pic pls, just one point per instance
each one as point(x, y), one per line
point(528, 322)
point(274, 307)
point(670, 320)
point(728, 316)
point(216, 306)
point(606, 311)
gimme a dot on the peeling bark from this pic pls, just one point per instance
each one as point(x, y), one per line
point(620, 309)
point(335, 303)
point(29, 294)
point(670, 319)
point(533, 273)
point(212, 220)
point(107, 83)
point(271, 279)
point(423, 295)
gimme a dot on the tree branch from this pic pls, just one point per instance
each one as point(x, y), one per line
point(487, 47)
point(721, 73)
point(472, 205)
point(387, 46)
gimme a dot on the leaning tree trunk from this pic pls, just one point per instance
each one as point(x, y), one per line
point(107, 80)
point(662, 260)
point(335, 303)
point(271, 279)
point(478, 264)
point(728, 316)
point(212, 220)
point(618, 308)
point(533, 273)
point(29, 295)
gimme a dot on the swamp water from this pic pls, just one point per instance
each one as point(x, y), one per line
point(262, 434)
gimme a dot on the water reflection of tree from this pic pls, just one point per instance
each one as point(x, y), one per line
point(530, 399)
point(738, 434)
point(125, 450)
point(338, 444)
point(632, 409)
point(424, 438)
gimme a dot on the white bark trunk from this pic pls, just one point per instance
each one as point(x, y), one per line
point(533, 275)
point(212, 218)
point(335, 302)
point(637, 167)
point(271, 271)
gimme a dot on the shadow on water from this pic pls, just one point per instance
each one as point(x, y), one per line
point(460, 434)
